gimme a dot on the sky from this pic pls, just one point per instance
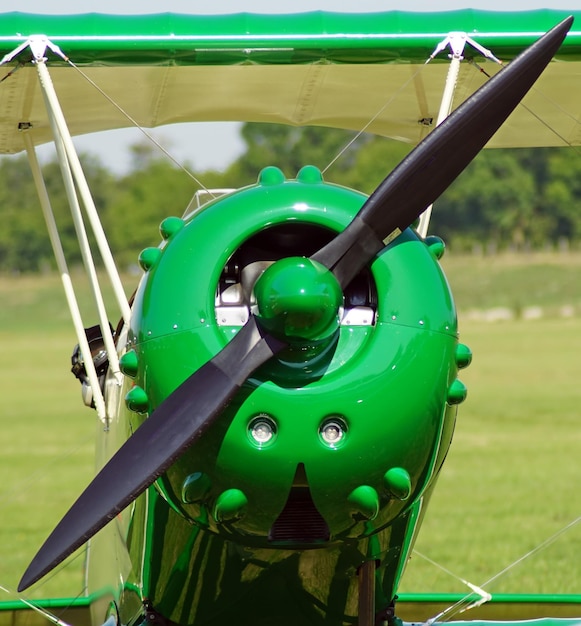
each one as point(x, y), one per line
point(221, 142)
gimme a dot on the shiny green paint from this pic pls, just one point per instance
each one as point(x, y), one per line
point(170, 226)
point(128, 363)
point(387, 384)
point(463, 356)
point(148, 258)
point(176, 39)
point(207, 579)
point(365, 502)
point(298, 300)
point(398, 483)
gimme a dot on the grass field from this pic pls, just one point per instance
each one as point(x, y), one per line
point(510, 482)
point(47, 433)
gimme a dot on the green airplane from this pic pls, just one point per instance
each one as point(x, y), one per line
point(281, 392)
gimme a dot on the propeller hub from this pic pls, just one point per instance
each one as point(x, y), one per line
point(298, 299)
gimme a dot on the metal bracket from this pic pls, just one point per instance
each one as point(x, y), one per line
point(457, 41)
point(154, 617)
point(38, 45)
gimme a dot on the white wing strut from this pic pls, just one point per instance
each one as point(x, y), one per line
point(65, 277)
point(62, 131)
point(74, 179)
point(457, 42)
point(69, 183)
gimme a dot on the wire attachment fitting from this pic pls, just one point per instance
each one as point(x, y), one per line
point(38, 45)
point(456, 41)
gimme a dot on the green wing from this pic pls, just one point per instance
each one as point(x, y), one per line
point(354, 71)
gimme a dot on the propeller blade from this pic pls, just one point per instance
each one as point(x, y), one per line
point(191, 409)
point(176, 423)
point(437, 161)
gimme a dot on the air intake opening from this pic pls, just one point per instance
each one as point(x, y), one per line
point(299, 521)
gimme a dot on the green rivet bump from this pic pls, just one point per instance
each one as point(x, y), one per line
point(136, 400)
point(230, 505)
point(195, 487)
point(310, 174)
point(148, 258)
point(436, 246)
point(298, 299)
point(271, 176)
point(398, 483)
point(457, 392)
point(128, 363)
point(365, 501)
point(170, 226)
point(463, 356)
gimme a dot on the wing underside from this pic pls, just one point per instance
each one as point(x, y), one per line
point(367, 72)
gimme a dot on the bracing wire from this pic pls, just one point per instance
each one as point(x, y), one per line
point(459, 606)
point(51, 617)
point(543, 122)
point(11, 72)
point(480, 69)
point(465, 603)
point(381, 110)
point(136, 124)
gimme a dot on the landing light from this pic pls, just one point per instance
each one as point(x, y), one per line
point(262, 429)
point(332, 431)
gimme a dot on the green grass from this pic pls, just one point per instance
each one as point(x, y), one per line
point(516, 281)
point(48, 433)
point(511, 479)
point(47, 456)
point(37, 302)
point(510, 482)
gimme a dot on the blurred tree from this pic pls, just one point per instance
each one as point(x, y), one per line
point(290, 148)
point(144, 198)
point(516, 198)
point(103, 188)
point(24, 242)
point(499, 198)
point(373, 161)
point(472, 203)
point(562, 193)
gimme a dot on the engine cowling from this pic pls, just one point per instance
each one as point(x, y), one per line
point(347, 427)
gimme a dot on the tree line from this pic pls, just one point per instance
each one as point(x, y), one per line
point(518, 198)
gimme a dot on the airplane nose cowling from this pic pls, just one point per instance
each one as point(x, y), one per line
point(362, 387)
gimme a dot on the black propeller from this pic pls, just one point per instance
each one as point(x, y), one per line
point(187, 413)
